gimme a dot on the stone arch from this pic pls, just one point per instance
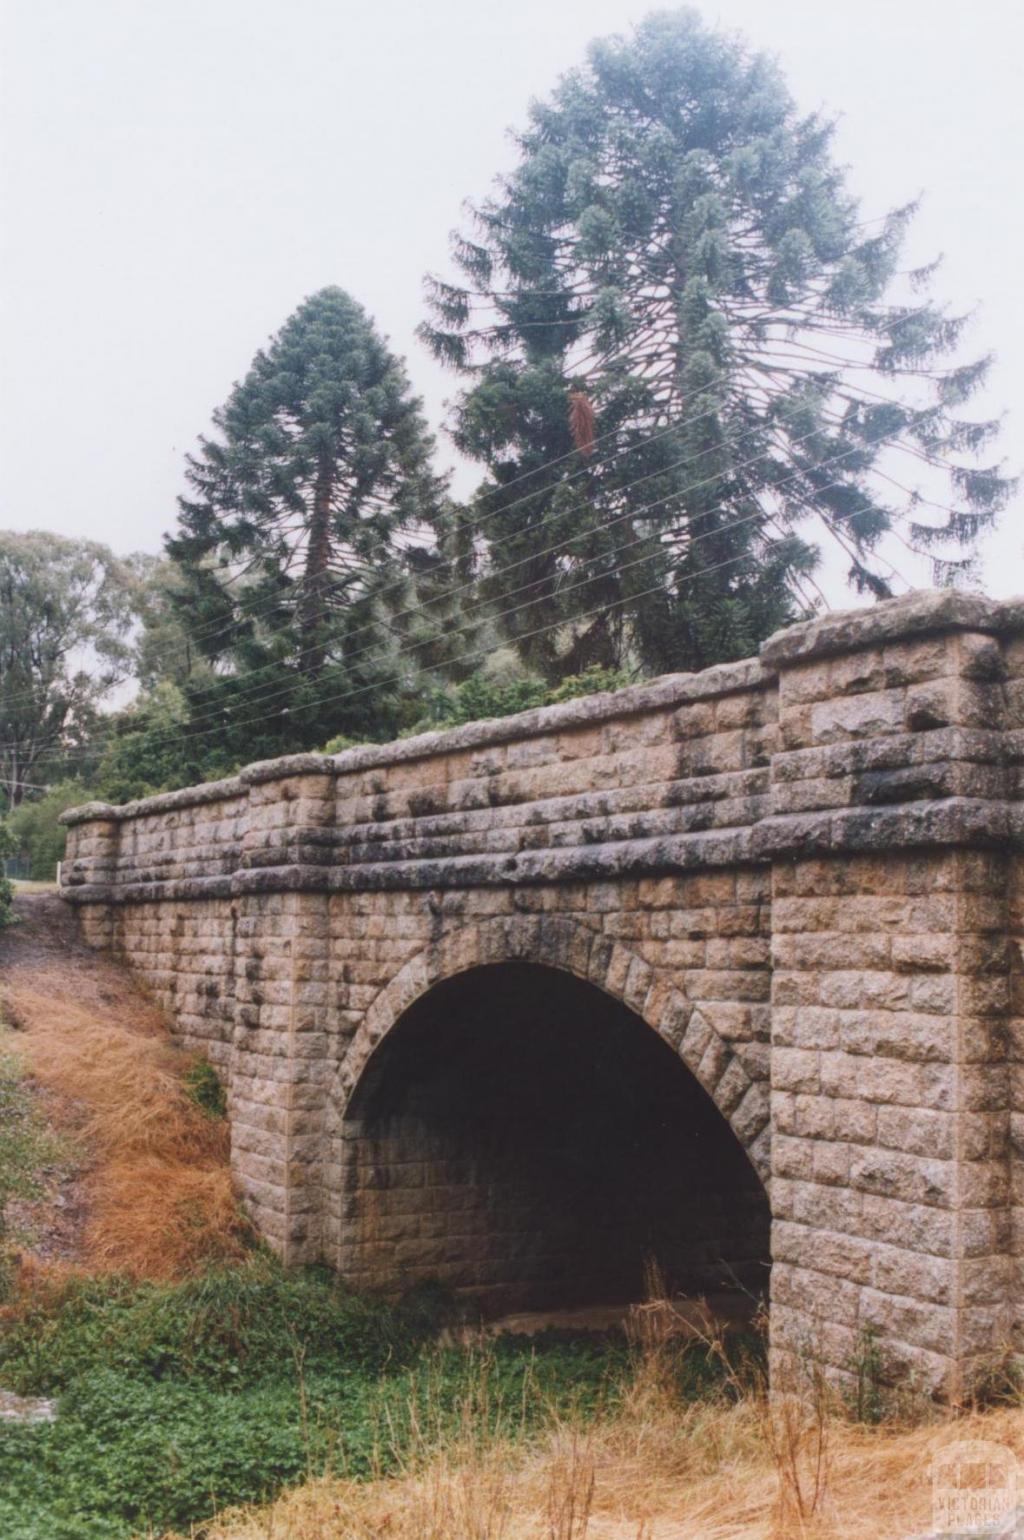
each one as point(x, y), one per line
point(615, 968)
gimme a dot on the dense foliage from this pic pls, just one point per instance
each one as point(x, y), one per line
point(305, 548)
point(686, 359)
point(174, 1401)
point(480, 696)
point(35, 831)
point(66, 609)
point(683, 344)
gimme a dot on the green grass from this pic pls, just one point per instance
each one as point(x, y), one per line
point(175, 1401)
point(29, 1154)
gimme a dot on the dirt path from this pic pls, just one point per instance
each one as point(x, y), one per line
point(149, 1191)
point(43, 948)
point(50, 1228)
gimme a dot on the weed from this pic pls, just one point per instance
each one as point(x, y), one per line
point(868, 1401)
point(570, 1495)
point(1001, 1384)
point(204, 1088)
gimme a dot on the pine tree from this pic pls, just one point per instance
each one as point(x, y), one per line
point(673, 296)
point(310, 521)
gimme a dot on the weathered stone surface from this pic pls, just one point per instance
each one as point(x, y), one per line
point(801, 872)
point(919, 614)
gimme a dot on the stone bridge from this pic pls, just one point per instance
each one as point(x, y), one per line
point(719, 970)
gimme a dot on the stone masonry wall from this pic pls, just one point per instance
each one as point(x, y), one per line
point(801, 871)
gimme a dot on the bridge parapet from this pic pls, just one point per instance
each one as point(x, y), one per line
point(802, 870)
point(891, 725)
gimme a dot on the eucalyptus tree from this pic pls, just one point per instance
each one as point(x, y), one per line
point(67, 616)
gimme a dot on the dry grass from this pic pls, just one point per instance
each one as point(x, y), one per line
point(157, 1186)
point(656, 1471)
point(736, 1465)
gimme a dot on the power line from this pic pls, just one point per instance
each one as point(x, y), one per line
point(536, 471)
point(486, 518)
point(728, 441)
point(379, 684)
point(547, 519)
point(278, 690)
point(256, 611)
point(268, 604)
point(540, 630)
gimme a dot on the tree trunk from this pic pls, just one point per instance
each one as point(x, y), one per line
point(313, 604)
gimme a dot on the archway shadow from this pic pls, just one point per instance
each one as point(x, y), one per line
point(525, 1138)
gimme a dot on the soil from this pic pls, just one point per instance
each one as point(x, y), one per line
point(44, 950)
point(44, 930)
point(706, 1318)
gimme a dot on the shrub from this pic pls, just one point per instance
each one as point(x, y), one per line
point(478, 697)
point(6, 889)
point(36, 831)
point(339, 742)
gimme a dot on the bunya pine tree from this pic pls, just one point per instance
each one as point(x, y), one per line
point(310, 527)
point(688, 358)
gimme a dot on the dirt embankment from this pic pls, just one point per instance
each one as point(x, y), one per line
point(148, 1191)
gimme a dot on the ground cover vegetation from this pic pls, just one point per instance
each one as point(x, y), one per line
point(252, 1401)
point(176, 1400)
point(30, 1155)
point(687, 362)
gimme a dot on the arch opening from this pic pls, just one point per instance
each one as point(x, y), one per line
point(527, 1139)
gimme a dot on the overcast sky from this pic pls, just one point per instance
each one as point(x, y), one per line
point(178, 174)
